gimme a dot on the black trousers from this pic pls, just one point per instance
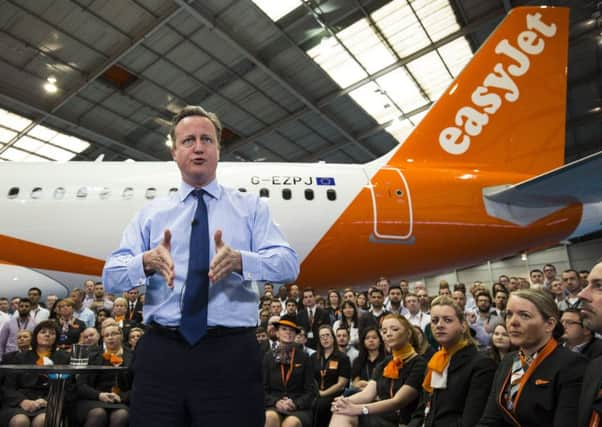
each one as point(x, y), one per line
point(217, 382)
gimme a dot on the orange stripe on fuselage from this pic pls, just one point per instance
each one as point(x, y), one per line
point(34, 255)
point(451, 230)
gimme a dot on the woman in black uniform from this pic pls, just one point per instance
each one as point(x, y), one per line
point(540, 384)
point(372, 352)
point(104, 398)
point(458, 377)
point(288, 380)
point(26, 394)
point(392, 394)
point(331, 370)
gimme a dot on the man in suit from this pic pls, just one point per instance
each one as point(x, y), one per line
point(590, 405)
point(311, 317)
point(134, 311)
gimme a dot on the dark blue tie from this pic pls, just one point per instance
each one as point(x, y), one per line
point(193, 325)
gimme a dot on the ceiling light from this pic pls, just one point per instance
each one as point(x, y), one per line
point(50, 85)
point(523, 256)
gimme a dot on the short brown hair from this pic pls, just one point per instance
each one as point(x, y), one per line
point(195, 110)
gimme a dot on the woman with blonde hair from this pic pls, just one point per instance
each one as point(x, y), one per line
point(392, 395)
point(458, 377)
point(540, 384)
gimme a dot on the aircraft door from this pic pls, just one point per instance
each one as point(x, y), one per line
point(391, 206)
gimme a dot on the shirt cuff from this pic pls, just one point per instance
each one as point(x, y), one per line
point(136, 271)
point(251, 265)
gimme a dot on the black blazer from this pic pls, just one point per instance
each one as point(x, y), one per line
point(549, 397)
point(22, 386)
point(469, 378)
point(135, 315)
point(301, 387)
point(90, 386)
point(593, 349)
point(320, 318)
point(592, 382)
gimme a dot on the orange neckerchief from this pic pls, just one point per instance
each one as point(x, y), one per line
point(399, 357)
point(113, 358)
point(41, 356)
point(440, 360)
point(119, 318)
point(541, 356)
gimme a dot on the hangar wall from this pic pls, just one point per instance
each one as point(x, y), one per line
point(580, 256)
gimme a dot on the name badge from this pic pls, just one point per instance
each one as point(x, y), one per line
point(310, 335)
point(333, 364)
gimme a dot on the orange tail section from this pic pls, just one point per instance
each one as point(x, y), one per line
point(506, 110)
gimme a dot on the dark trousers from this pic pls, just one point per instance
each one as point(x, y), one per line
point(215, 383)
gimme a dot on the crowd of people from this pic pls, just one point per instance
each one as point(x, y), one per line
point(515, 353)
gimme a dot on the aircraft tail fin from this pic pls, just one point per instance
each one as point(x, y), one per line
point(506, 109)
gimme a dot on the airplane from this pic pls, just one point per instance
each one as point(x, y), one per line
point(480, 177)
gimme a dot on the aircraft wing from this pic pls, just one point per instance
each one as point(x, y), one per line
point(528, 201)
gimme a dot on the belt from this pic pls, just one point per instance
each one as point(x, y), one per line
point(212, 331)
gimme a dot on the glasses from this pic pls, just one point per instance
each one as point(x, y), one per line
point(570, 322)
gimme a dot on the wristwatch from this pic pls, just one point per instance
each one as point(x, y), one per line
point(365, 410)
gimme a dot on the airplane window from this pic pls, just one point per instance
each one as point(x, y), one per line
point(82, 193)
point(173, 190)
point(36, 193)
point(264, 192)
point(287, 194)
point(242, 190)
point(105, 193)
point(59, 193)
point(151, 193)
point(331, 195)
point(128, 193)
point(309, 194)
point(13, 192)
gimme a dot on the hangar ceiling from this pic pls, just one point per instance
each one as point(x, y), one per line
point(292, 80)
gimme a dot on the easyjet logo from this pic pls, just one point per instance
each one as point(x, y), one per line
point(497, 86)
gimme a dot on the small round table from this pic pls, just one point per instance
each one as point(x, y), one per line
point(57, 378)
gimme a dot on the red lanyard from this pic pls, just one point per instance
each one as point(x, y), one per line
point(287, 377)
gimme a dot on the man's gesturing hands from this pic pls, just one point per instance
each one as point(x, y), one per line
point(159, 260)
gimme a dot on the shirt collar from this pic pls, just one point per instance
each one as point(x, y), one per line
point(213, 189)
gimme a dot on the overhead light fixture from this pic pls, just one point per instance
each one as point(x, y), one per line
point(523, 256)
point(50, 85)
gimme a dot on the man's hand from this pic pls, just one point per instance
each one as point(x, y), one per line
point(159, 260)
point(29, 405)
point(225, 261)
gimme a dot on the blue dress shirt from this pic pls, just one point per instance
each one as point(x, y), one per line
point(246, 225)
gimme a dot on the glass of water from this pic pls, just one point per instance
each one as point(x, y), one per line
point(79, 355)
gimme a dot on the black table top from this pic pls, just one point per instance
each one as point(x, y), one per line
point(62, 369)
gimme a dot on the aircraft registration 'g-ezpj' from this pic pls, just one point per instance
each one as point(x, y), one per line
point(482, 176)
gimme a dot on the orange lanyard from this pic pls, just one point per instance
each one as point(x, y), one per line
point(287, 377)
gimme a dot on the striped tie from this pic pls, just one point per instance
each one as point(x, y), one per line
point(519, 367)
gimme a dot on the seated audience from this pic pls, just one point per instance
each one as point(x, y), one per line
point(540, 384)
point(458, 377)
point(349, 321)
point(342, 337)
point(70, 328)
point(103, 398)
point(424, 349)
point(301, 340)
point(372, 352)
point(24, 337)
point(288, 380)
point(577, 337)
point(134, 336)
point(25, 395)
point(331, 370)
point(392, 394)
point(500, 344)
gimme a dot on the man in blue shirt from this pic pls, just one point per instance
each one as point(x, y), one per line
point(208, 374)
